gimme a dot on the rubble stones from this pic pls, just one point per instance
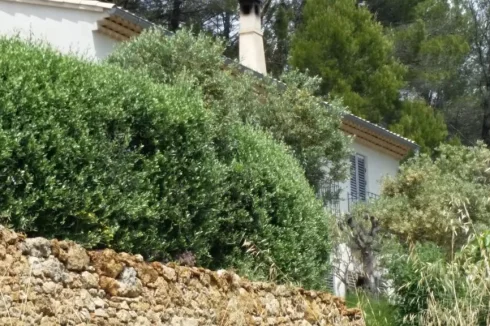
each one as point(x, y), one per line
point(73, 255)
point(58, 282)
point(36, 247)
point(89, 280)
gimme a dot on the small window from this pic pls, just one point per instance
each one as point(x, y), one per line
point(358, 177)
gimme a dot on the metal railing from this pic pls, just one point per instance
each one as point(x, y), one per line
point(334, 206)
point(329, 194)
point(332, 198)
point(352, 199)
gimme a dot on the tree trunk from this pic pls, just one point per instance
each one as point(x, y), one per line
point(482, 43)
point(298, 20)
point(485, 131)
point(175, 16)
point(486, 103)
point(364, 240)
point(368, 261)
point(227, 25)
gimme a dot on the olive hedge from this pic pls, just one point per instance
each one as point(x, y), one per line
point(290, 113)
point(110, 158)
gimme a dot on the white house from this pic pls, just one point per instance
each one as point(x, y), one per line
point(93, 28)
point(377, 154)
point(89, 28)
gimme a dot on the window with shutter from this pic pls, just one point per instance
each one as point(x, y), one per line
point(353, 177)
point(358, 177)
point(361, 178)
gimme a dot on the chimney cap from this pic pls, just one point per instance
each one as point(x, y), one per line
point(246, 6)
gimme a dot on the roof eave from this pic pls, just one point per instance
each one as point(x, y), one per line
point(86, 5)
point(380, 130)
point(126, 15)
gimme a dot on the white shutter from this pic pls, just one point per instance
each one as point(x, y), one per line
point(358, 177)
point(353, 177)
point(361, 178)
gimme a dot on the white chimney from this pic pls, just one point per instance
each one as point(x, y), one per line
point(251, 42)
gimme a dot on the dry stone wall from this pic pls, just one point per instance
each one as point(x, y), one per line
point(50, 282)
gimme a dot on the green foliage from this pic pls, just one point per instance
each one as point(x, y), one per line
point(103, 157)
point(108, 157)
point(345, 47)
point(393, 13)
point(277, 36)
point(289, 112)
point(433, 289)
point(437, 199)
point(477, 77)
point(377, 311)
point(164, 58)
point(274, 212)
point(411, 292)
point(434, 45)
point(438, 210)
point(420, 123)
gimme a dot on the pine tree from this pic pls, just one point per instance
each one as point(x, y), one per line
point(346, 47)
point(342, 43)
point(393, 13)
point(422, 124)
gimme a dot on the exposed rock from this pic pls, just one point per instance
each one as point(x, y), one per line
point(74, 257)
point(106, 263)
point(123, 316)
point(109, 285)
point(3, 251)
point(68, 279)
point(89, 280)
point(99, 303)
point(51, 268)
point(59, 283)
point(130, 285)
point(182, 321)
point(84, 315)
point(9, 237)
point(169, 273)
point(147, 274)
point(124, 305)
point(312, 313)
point(101, 313)
point(36, 247)
point(272, 306)
point(283, 291)
point(49, 287)
point(186, 258)
point(142, 321)
point(84, 300)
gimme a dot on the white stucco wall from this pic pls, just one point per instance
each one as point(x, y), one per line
point(378, 165)
point(68, 30)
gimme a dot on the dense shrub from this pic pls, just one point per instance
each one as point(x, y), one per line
point(288, 111)
point(433, 289)
point(434, 208)
point(109, 158)
point(442, 200)
point(273, 212)
point(411, 292)
point(377, 311)
point(94, 154)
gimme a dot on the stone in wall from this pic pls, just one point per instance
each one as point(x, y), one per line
point(54, 282)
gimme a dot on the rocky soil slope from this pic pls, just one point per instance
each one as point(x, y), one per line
point(51, 282)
